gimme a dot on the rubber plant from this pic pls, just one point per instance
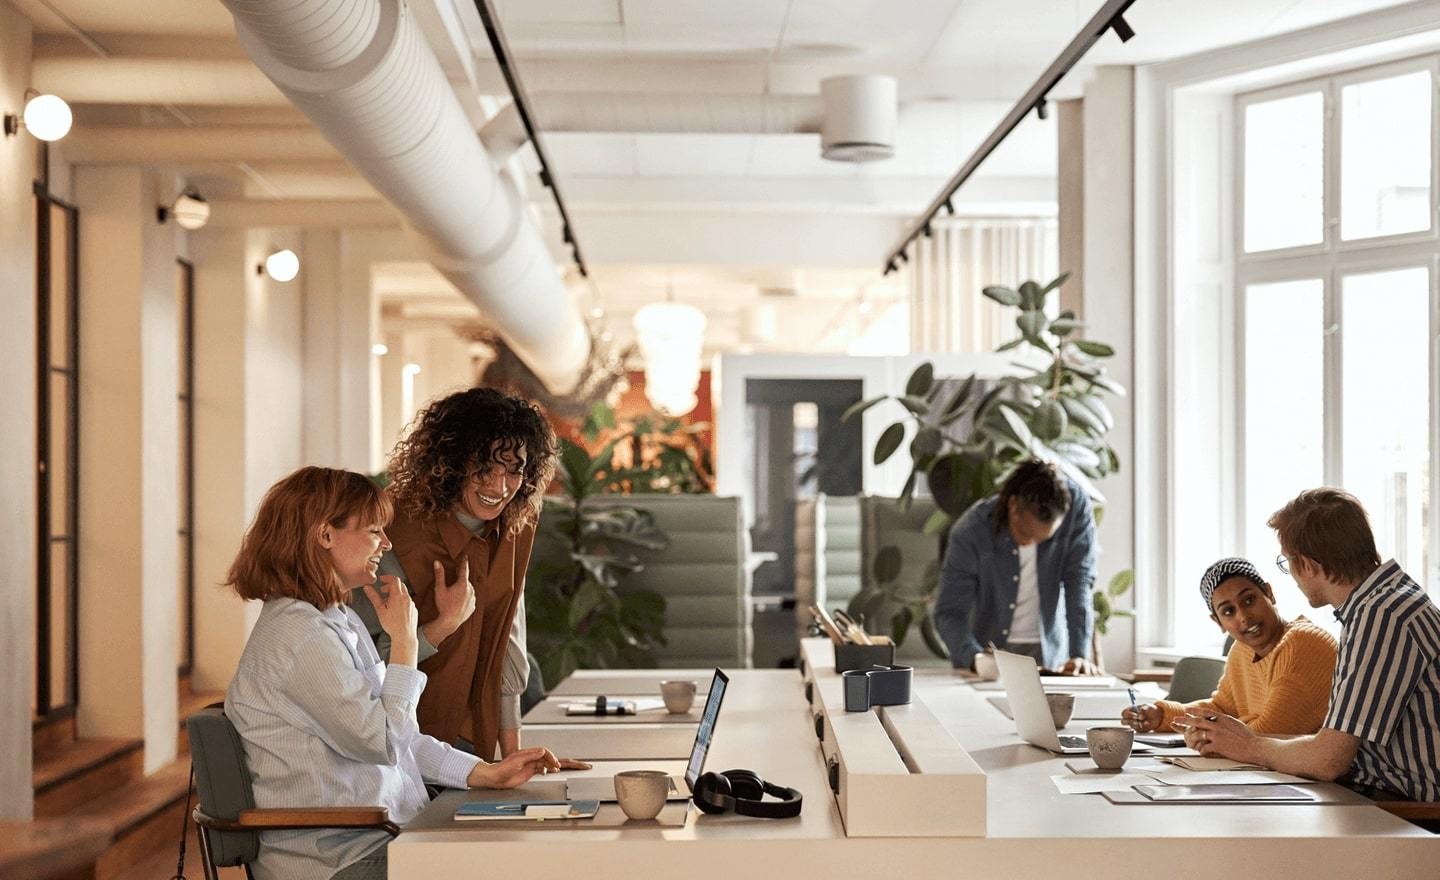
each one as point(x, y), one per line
point(1053, 407)
point(579, 612)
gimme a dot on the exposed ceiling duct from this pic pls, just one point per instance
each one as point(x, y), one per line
point(364, 75)
point(854, 116)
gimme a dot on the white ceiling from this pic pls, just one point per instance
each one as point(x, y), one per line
point(718, 218)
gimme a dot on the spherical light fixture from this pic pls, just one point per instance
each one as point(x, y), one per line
point(411, 369)
point(379, 349)
point(47, 117)
point(189, 210)
point(282, 265)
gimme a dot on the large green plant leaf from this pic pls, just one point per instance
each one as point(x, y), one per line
point(931, 634)
point(889, 442)
point(916, 405)
point(957, 480)
point(1049, 420)
point(927, 443)
point(1104, 381)
point(887, 564)
point(956, 407)
point(1031, 323)
point(938, 523)
point(1056, 282)
point(1082, 416)
point(590, 596)
point(900, 625)
point(1121, 583)
point(907, 494)
point(1002, 295)
point(1093, 348)
point(574, 463)
point(918, 385)
point(1098, 407)
point(860, 406)
point(1065, 326)
point(1030, 296)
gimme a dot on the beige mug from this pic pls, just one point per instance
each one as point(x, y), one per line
point(642, 793)
point(679, 695)
point(1110, 746)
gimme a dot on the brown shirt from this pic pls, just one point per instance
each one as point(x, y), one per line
point(462, 696)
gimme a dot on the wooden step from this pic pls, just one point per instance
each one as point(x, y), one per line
point(67, 776)
point(146, 816)
point(50, 733)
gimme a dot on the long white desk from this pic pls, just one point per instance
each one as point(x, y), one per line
point(1033, 831)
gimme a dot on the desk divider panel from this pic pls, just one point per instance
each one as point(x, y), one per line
point(895, 770)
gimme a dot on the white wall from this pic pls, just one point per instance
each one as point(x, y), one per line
point(17, 429)
point(339, 325)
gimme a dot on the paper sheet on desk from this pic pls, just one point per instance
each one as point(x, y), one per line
point(1094, 784)
point(1194, 762)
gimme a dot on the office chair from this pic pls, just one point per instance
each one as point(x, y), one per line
point(1195, 678)
point(228, 824)
point(534, 687)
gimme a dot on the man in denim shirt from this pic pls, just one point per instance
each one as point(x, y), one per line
point(1010, 560)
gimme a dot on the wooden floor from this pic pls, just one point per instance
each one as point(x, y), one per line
point(160, 864)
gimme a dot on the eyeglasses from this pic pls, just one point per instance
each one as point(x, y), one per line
point(1282, 562)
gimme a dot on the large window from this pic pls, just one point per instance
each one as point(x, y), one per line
point(57, 466)
point(1336, 263)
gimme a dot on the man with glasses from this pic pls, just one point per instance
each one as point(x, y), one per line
point(1382, 732)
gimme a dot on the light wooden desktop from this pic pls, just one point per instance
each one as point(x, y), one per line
point(1033, 831)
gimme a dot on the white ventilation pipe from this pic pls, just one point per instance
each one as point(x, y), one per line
point(854, 115)
point(364, 75)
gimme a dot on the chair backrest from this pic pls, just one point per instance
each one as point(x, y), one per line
point(534, 686)
point(1195, 678)
point(222, 783)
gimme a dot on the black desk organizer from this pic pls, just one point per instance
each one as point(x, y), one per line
point(852, 656)
point(876, 686)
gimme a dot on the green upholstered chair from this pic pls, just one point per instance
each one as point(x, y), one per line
point(1195, 678)
point(228, 823)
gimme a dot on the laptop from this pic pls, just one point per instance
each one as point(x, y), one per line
point(602, 788)
point(1021, 677)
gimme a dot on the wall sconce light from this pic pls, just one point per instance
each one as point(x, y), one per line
point(190, 211)
point(379, 349)
point(281, 266)
point(47, 117)
point(411, 369)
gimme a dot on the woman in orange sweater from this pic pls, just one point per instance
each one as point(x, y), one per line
point(1277, 676)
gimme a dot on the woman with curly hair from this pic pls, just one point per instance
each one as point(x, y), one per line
point(467, 485)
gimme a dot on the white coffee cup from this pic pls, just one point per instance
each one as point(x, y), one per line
point(641, 793)
point(679, 695)
point(986, 667)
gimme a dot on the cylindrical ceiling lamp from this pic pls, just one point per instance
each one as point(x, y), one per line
point(671, 336)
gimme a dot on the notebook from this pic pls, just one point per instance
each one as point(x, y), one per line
point(479, 811)
point(1225, 794)
point(602, 788)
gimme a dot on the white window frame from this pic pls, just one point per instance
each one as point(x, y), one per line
point(1333, 260)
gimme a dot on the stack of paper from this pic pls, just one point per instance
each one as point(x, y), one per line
point(1189, 762)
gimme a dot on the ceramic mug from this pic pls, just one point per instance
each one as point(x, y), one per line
point(1061, 706)
point(1110, 746)
point(642, 793)
point(679, 695)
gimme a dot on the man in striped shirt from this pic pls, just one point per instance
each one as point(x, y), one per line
point(1382, 732)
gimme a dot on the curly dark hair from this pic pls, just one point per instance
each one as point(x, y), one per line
point(465, 432)
point(1041, 490)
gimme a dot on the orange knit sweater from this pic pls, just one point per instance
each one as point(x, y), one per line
point(1285, 692)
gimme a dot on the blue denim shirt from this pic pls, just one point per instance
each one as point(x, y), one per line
point(980, 578)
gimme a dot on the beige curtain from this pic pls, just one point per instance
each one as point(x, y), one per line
point(949, 269)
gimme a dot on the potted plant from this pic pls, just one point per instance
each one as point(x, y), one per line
point(578, 612)
point(1053, 408)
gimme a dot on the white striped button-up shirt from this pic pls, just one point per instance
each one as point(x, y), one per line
point(1386, 688)
point(325, 723)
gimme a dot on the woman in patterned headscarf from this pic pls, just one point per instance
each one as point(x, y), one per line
point(1277, 676)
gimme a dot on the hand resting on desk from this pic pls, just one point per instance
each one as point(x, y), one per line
point(514, 769)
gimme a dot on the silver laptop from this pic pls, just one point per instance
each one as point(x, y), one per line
point(1021, 678)
point(602, 788)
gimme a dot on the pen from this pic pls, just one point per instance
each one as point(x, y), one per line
point(1133, 707)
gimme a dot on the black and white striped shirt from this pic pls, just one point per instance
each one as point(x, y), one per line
point(1386, 688)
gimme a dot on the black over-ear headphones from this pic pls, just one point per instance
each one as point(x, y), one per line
point(741, 791)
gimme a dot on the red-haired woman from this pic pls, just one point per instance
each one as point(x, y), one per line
point(324, 722)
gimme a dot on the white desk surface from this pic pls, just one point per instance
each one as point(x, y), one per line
point(630, 682)
point(1034, 830)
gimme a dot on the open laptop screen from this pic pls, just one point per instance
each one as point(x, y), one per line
point(703, 734)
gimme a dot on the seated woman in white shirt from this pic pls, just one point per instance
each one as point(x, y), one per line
point(323, 721)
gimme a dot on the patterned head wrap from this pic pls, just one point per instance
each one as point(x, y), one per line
point(1222, 571)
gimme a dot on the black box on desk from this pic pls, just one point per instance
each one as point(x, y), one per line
point(852, 656)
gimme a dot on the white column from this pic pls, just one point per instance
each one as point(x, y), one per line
point(17, 431)
point(1108, 307)
point(129, 446)
point(338, 330)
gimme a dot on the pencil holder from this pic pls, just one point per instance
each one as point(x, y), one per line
point(876, 686)
point(851, 656)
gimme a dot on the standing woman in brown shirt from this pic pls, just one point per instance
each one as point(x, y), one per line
point(467, 484)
